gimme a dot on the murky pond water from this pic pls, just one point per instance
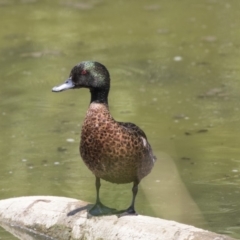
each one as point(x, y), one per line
point(175, 72)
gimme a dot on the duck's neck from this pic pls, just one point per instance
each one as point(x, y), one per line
point(99, 95)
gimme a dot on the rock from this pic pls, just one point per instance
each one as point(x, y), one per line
point(66, 218)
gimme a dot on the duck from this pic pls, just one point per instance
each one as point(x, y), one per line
point(117, 152)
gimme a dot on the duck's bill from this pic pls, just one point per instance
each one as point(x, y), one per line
point(65, 86)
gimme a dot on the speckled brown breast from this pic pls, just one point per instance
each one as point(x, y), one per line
point(113, 151)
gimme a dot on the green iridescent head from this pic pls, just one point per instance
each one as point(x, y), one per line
point(88, 74)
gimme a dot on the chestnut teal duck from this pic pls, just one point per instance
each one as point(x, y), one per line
point(118, 152)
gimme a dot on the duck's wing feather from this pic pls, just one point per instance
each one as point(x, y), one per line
point(135, 129)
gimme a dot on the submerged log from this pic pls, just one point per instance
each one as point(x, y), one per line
point(65, 218)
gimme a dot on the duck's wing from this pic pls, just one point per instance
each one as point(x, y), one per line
point(133, 128)
point(138, 131)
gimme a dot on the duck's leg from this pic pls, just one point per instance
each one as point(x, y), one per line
point(99, 209)
point(131, 209)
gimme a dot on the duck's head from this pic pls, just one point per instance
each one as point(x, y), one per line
point(88, 74)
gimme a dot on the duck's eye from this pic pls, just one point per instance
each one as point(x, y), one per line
point(83, 72)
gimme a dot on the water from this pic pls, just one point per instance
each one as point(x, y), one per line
point(174, 69)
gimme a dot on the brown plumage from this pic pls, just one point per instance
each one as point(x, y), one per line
point(117, 152)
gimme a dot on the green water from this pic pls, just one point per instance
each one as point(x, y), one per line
point(175, 72)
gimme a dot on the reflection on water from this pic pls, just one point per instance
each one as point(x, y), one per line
point(174, 70)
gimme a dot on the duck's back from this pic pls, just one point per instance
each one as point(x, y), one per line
point(114, 151)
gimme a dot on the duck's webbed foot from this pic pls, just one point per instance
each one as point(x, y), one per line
point(99, 210)
point(127, 212)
